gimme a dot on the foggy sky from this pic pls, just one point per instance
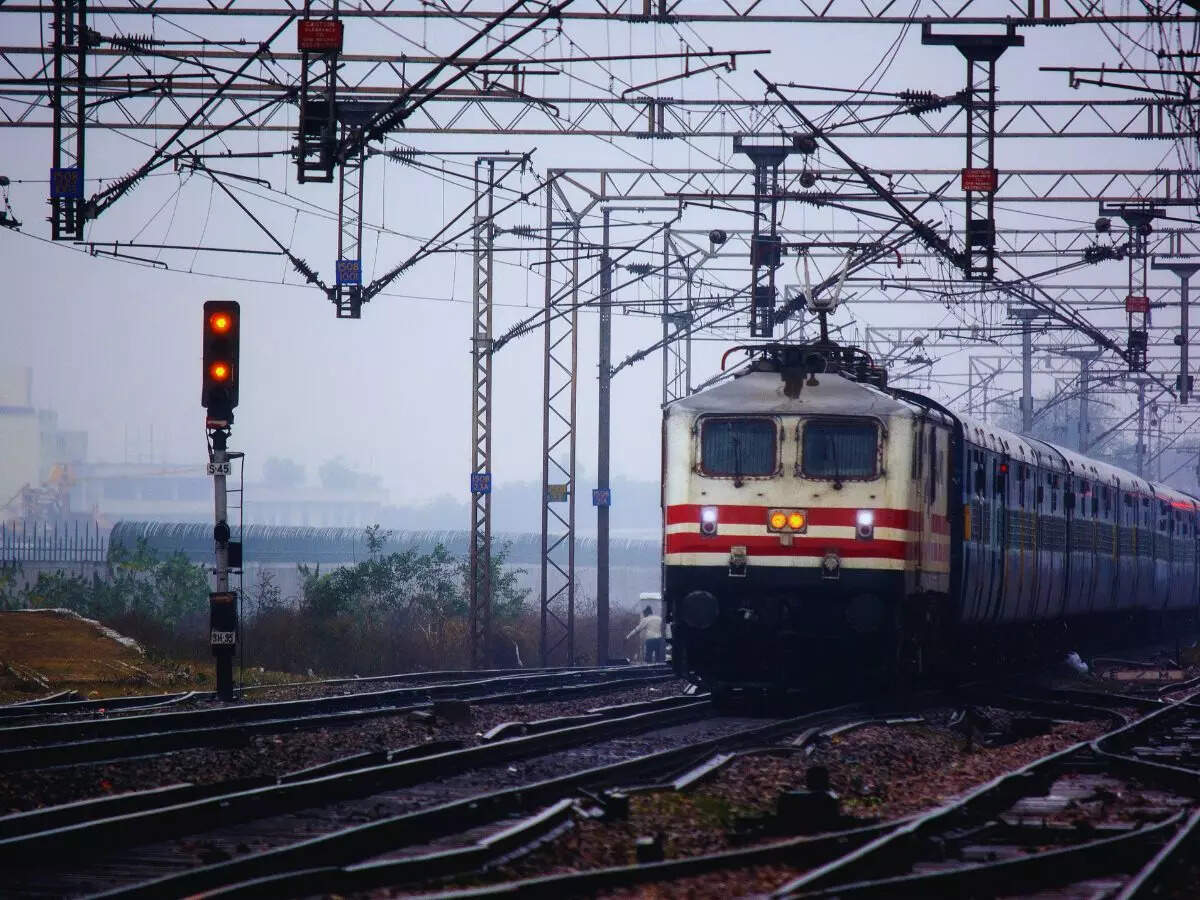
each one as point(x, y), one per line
point(116, 346)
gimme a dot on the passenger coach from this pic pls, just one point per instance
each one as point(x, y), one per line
point(815, 520)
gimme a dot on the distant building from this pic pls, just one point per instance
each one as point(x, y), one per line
point(157, 492)
point(19, 436)
point(36, 467)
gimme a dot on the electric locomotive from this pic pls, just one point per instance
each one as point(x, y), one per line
point(816, 520)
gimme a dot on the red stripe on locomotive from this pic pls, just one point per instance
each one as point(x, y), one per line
point(770, 545)
point(728, 514)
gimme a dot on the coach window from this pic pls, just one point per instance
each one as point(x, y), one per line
point(739, 447)
point(840, 449)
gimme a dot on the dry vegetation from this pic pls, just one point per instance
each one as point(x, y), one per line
point(43, 652)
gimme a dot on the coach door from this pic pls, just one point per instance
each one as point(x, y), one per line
point(999, 544)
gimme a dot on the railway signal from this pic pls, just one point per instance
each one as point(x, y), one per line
point(219, 378)
point(219, 396)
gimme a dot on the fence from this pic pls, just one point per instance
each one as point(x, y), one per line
point(59, 542)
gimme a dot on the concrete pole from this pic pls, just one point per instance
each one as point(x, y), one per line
point(1086, 358)
point(224, 652)
point(602, 452)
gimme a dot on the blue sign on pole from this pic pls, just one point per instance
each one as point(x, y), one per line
point(481, 482)
point(601, 497)
point(66, 183)
point(349, 271)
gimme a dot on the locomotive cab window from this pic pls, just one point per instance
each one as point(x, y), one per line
point(739, 447)
point(839, 449)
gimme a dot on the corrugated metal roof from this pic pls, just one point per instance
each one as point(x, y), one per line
point(300, 544)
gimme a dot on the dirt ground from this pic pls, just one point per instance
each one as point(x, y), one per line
point(44, 652)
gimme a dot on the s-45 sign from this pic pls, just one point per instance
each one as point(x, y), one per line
point(223, 468)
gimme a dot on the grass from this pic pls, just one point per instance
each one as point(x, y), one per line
point(47, 652)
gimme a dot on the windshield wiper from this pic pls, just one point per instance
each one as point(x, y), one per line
point(737, 461)
point(837, 475)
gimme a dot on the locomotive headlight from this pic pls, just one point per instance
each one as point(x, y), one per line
point(796, 521)
point(866, 524)
point(778, 520)
point(708, 520)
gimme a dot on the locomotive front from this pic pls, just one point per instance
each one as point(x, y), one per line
point(792, 527)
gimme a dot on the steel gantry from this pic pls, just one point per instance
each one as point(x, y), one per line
point(872, 12)
point(68, 107)
point(348, 103)
point(479, 579)
point(979, 179)
point(560, 367)
point(348, 293)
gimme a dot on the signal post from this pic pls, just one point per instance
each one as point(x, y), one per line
point(219, 396)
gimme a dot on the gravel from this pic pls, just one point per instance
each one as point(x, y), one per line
point(880, 772)
point(269, 755)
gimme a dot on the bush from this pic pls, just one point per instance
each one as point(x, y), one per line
point(388, 613)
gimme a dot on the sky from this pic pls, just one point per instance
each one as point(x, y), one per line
point(116, 346)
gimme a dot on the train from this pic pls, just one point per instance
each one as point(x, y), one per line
point(818, 522)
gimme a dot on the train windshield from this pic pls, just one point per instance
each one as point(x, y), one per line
point(840, 448)
point(738, 447)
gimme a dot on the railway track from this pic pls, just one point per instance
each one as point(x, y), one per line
point(262, 816)
point(65, 705)
point(1117, 816)
point(352, 815)
point(91, 740)
point(1111, 816)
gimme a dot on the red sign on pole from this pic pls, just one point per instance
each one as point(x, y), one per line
point(319, 35)
point(979, 180)
point(1136, 304)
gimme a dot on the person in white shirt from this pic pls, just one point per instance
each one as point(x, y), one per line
point(650, 628)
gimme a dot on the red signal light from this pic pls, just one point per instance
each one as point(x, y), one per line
point(219, 390)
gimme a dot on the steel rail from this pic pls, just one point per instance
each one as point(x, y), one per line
point(1106, 856)
point(58, 732)
point(798, 851)
point(335, 851)
point(808, 850)
point(435, 675)
point(872, 869)
point(109, 704)
point(90, 837)
point(41, 707)
point(1151, 881)
point(237, 734)
point(502, 844)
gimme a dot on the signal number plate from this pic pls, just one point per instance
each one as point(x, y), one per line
point(220, 468)
point(223, 638)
